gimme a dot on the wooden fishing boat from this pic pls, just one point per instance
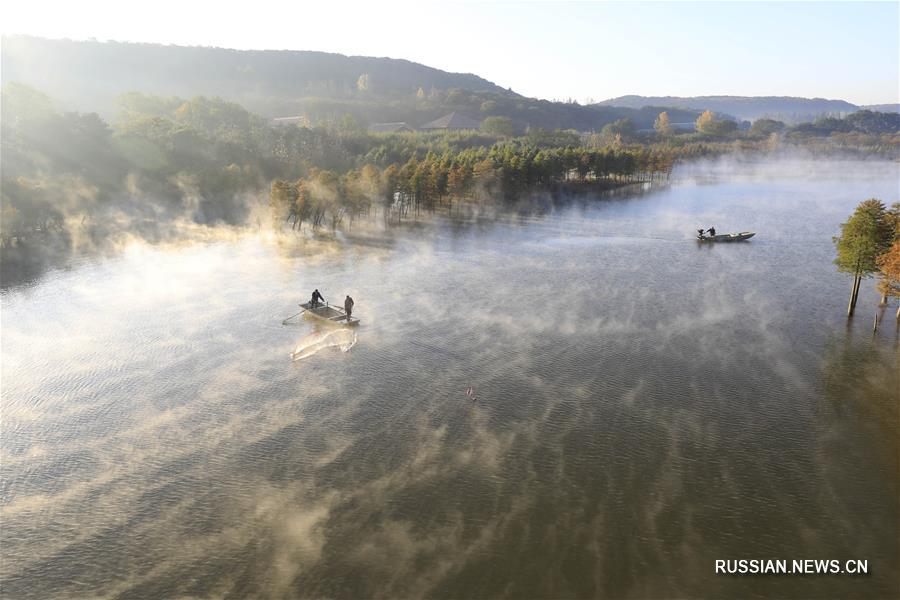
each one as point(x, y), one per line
point(327, 312)
point(727, 237)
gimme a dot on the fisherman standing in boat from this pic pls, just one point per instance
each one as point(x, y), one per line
point(316, 297)
point(348, 306)
point(712, 231)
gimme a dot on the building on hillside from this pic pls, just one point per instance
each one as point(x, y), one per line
point(389, 127)
point(453, 121)
point(676, 127)
point(298, 120)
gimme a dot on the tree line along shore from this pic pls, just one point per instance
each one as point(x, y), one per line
point(73, 178)
point(503, 172)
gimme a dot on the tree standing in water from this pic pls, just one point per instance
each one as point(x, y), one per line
point(889, 262)
point(866, 235)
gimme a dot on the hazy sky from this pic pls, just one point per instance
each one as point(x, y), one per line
point(848, 50)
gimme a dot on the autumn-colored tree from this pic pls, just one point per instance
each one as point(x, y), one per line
point(662, 125)
point(370, 182)
point(705, 121)
point(709, 124)
point(282, 195)
point(302, 204)
point(485, 176)
point(459, 180)
point(889, 262)
point(390, 183)
point(889, 270)
point(439, 176)
point(421, 183)
point(323, 196)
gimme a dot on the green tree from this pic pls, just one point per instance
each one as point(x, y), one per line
point(348, 125)
point(133, 105)
point(456, 96)
point(20, 102)
point(488, 106)
point(624, 128)
point(864, 237)
point(868, 121)
point(766, 127)
point(215, 116)
point(498, 126)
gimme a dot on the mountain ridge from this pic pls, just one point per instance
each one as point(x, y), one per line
point(89, 76)
point(68, 69)
point(790, 108)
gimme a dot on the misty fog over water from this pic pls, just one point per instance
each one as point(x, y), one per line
point(645, 406)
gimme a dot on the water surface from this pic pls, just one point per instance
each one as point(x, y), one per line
point(644, 407)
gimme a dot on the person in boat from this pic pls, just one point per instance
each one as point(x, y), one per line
point(712, 231)
point(316, 299)
point(700, 234)
point(348, 306)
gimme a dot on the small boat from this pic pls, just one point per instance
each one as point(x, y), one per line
point(727, 237)
point(327, 312)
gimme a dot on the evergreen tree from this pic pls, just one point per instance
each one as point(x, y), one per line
point(864, 237)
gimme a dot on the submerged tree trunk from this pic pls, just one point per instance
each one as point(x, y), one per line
point(853, 294)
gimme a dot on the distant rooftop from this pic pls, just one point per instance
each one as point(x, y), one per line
point(389, 127)
point(454, 120)
point(289, 120)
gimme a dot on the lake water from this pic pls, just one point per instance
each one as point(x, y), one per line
point(644, 406)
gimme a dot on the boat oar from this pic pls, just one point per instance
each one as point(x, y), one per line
point(292, 316)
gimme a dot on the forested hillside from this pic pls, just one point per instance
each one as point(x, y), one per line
point(323, 88)
point(784, 108)
point(89, 75)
